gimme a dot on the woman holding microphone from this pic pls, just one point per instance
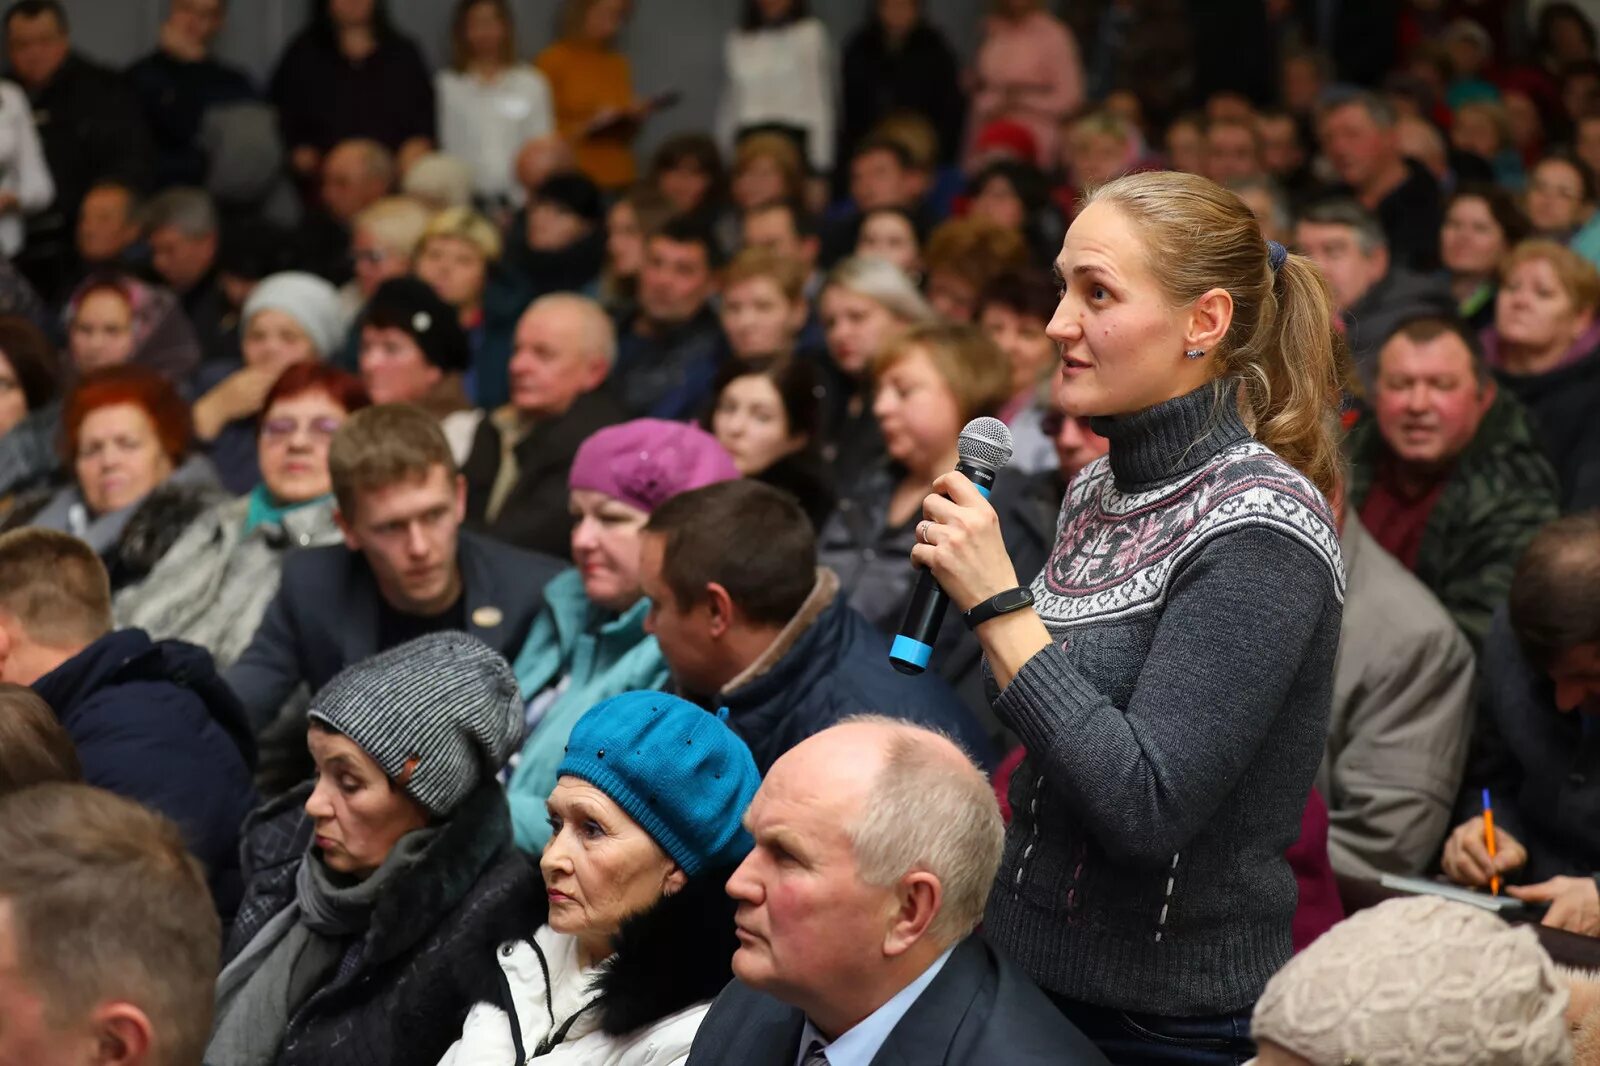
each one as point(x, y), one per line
point(1171, 674)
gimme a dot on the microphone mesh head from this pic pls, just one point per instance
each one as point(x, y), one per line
point(985, 442)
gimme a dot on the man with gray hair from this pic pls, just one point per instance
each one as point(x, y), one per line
point(1359, 135)
point(876, 842)
point(181, 228)
point(1372, 293)
point(562, 354)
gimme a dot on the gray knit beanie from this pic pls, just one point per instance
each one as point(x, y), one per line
point(437, 714)
point(1419, 982)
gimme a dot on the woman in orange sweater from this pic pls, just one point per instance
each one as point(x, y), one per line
point(592, 83)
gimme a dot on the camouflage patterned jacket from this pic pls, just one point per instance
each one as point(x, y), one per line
point(1500, 493)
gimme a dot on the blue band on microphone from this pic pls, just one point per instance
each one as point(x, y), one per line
point(983, 489)
point(911, 651)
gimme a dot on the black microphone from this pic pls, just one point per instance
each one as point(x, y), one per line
point(984, 448)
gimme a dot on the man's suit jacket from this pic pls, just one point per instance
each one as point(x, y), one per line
point(980, 1010)
point(325, 617)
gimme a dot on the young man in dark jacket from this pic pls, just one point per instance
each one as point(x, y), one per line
point(152, 721)
point(406, 569)
point(747, 621)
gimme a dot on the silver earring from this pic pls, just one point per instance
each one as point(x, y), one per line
point(1195, 353)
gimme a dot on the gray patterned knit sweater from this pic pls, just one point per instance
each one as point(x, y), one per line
point(1176, 722)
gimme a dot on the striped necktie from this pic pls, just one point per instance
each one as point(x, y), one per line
point(815, 1055)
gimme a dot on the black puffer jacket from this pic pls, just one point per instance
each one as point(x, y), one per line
point(401, 992)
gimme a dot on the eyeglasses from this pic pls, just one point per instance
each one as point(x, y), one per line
point(318, 429)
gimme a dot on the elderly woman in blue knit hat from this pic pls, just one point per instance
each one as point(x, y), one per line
point(647, 823)
point(376, 893)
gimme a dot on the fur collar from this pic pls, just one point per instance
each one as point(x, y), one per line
point(822, 595)
point(670, 957)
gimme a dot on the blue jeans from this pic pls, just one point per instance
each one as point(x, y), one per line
point(1129, 1039)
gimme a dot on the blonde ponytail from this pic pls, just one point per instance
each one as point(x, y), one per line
point(1281, 349)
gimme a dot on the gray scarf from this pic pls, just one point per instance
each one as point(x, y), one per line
point(295, 953)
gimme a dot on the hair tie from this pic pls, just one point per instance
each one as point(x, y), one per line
point(1276, 254)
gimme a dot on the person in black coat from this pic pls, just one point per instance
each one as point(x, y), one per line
point(1536, 749)
point(768, 414)
point(836, 966)
point(747, 621)
point(391, 466)
point(177, 82)
point(899, 61)
point(347, 77)
point(517, 470)
point(1563, 403)
point(151, 721)
point(90, 127)
point(379, 893)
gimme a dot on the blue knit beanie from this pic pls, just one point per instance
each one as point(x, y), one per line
point(677, 770)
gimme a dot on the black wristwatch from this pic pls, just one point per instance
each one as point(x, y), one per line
point(995, 606)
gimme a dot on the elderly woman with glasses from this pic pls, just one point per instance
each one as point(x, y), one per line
point(212, 586)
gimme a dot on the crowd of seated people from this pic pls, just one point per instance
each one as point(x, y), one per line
point(453, 530)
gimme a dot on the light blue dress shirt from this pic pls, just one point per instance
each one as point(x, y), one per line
point(858, 1046)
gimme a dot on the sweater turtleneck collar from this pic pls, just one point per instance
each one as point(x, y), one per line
point(1171, 439)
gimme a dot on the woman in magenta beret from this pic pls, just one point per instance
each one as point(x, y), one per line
point(588, 643)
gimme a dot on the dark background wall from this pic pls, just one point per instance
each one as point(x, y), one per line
point(674, 44)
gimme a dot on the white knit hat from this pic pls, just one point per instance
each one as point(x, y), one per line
point(1419, 981)
point(437, 714)
point(307, 299)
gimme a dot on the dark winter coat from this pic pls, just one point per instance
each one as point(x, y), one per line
point(1500, 492)
point(175, 94)
point(326, 616)
point(323, 98)
point(669, 375)
point(153, 722)
point(1542, 766)
point(921, 75)
point(534, 514)
point(827, 664)
point(1565, 407)
point(402, 990)
point(808, 479)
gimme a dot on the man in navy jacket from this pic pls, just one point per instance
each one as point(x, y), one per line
point(151, 720)
point(876, 843)
point(746, 621)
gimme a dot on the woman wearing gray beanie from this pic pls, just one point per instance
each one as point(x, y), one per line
point(376, 894)
point(638, 936)
point(289, 318)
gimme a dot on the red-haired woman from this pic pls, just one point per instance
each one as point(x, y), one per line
point(126, 437)
point(214, 583)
